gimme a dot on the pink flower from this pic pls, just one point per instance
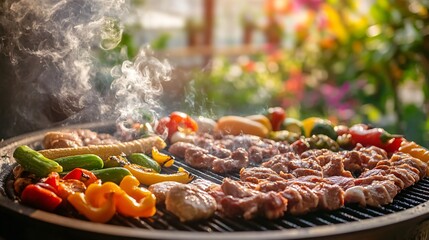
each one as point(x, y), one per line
point(309, 4)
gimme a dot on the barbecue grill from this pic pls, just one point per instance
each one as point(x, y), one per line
point(405, 218)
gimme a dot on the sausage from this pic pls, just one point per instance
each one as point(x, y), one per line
point(236, 125)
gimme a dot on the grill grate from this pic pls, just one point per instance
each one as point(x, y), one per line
point(163, 220)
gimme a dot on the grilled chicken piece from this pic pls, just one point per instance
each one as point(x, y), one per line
point(204, 185)
point(190, 203)
point(61, 140)
point(160, 190)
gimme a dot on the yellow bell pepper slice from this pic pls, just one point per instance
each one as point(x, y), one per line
point(96, 192)
point(100, 214)
point(130, 185)
point(101, 201)
point(164, 160)
point(128, 206)
point(148, 177)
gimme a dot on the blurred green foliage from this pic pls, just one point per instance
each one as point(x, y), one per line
point(350, 61)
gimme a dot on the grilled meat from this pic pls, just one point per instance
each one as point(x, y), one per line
point(375, 194)
point(189, 203)
point(179, 148)
point(238, 200)
point(76, 138)
point(255, 174)
point(160, 190)
point(238, 160)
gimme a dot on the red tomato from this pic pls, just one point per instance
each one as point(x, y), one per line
point(276, 116)
point(176, 120)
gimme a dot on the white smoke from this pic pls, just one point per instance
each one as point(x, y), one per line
point(52, 49)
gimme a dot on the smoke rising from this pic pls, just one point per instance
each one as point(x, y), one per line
point(49, 53)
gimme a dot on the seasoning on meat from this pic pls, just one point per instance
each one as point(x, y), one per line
point(239, 200)
point(190, 203)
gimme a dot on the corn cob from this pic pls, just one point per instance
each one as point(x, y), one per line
point(143, 145)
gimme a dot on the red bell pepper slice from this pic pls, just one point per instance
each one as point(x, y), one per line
point(53, 179)
point(378, 137)
point(276, 115)
point(39, 197)
point(83, 175)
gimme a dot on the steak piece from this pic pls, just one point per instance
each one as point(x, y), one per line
point(301, 199)
point(199, 158)
point(255, 174)
point(190, 203)
point(372, 191)
point(237, 200)
point(179, 148)
point(238, 160)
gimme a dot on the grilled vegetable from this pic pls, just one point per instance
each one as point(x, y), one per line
point(135, 201)
point(86, 161)
point(34, 162)
point(292, 125)
point(261, 119)
point(415, 150)
point(322, 142)
point(276, 115)
point(237, 125)
point(143, 145)
point(314, 126)
point(101, 201)
point(148, 177)
point(83, 175)
point(345, 141)
point(115, 161)
point(378, 137)
point(114, 174)
point(41, 198)
point(99, 214)
point(144, 161)
point(164, 160)
point(177, 121)
point(325, 128)
point(283, 135)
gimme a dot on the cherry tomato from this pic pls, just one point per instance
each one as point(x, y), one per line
point(276, 115)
